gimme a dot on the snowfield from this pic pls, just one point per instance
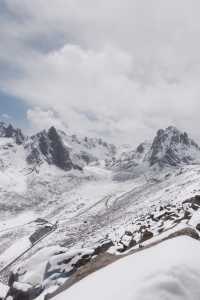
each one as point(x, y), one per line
point(3, 290)
point(85, 205)
point(170, 270)
point(14, 251)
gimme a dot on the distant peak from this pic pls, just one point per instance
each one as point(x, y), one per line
point(9, 131)
point(172, 128)
point(172, 146)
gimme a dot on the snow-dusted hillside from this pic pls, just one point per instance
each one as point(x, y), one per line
point(44, 166)
point(70, 184)
point(161, 272)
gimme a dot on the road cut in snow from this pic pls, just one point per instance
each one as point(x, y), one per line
point(169, 270)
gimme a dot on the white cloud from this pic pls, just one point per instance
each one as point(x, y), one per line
point(44, 119)
point(120, 69)
point(6, 117)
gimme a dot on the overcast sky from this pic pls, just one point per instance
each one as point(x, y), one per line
point(119, 69)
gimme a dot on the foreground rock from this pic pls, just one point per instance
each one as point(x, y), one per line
point(54, 269)
point(48, 269)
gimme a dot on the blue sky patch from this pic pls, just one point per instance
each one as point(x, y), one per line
point(13, 110)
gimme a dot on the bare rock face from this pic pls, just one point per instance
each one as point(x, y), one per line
point(57, 148)
point(58, 152)
point(146, 235)
point(172, 147)
point(10, 132)
point(20, 291)
point(48, 146)
point(169, 148)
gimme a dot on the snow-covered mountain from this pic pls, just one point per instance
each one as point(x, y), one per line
point(172, 147)
point(61, 205)
point(169, 148)
point(10, 132)
point(54, 147)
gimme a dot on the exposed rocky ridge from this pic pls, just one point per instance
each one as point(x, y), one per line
point(115, 216)
point(55, 147)
point(172, 147)
point(48, 146)
point(10, 132)
point(63, 268)
point(169, 148)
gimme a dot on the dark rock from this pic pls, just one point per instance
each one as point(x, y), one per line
point(185, 231)
point(129, 233)
point(103, 247)
point(140, 148)
point(39, 233)
point(19, 137)
point(146, 235)
point(26, 294)
point(132, 243)
point(193, 200)
point(59, 153)
point(11, 132)
point(166, 147)
point(44, 144)
point(49, 146)
point(33, 157)
point(195, 207)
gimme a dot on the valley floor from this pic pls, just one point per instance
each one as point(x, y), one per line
point(100, 209)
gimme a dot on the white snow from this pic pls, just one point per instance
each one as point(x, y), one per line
point(21, 286)
point(19, 220)
point(3, 290)
point(195, 220)
point(37, 265)
point(49, 259)
point(14, 251)
point(170, 270)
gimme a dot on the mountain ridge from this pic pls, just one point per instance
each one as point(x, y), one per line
point(169, 148)
point(86, 208)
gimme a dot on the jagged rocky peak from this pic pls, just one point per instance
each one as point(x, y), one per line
point(59, 153)
point(173, 147)
point(48, 146)
point(169, 148)
point(141, 148)
point(10, 132)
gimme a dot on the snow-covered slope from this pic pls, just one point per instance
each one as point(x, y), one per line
point(161, 272)
point(68, 181)
point(45, 158)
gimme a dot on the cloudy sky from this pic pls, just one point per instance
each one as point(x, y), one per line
point(119, 69)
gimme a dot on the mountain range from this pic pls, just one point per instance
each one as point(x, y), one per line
point(70, 201)
point(170, 147)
